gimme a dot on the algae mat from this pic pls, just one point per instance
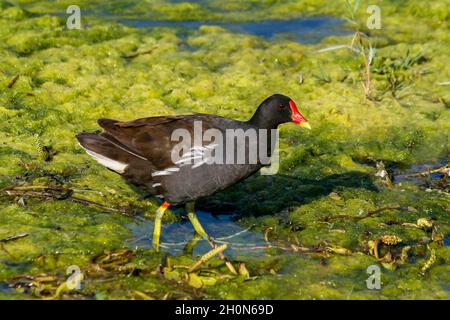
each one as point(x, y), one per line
point(368, 186)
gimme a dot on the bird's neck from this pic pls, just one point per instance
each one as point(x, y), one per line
point(261, 122)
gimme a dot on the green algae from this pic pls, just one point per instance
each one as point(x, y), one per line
point(69, 78)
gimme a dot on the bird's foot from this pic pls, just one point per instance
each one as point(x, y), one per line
point(201, 231)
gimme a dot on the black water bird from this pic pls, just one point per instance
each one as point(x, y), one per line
point(142, 152)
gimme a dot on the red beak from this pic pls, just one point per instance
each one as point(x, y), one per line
point(297, 117)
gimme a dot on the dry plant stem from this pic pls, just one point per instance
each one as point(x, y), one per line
point(136, 54)
point(206, 257)
point(14, 237)
point(442, 169)
point(222, 256)
point(55, 193)
point(13, 81)
point(375, 249)
point(367, 79)
point(367, 84)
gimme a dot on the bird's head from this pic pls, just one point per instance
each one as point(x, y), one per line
point(278, 109)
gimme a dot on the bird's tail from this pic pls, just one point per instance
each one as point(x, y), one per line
point(105, 152)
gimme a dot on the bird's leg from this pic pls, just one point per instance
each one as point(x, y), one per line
point(157, 226)
point(189, 247)
point(201, 231)
point(194, 220)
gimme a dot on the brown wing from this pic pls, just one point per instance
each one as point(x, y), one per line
point(150, 138)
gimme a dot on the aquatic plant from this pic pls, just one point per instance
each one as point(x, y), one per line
point(341, 188)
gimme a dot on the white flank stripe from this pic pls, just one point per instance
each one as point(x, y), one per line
point(160, 173)
point(156, 184)
point(107, 162)
point(211, 146)
point(195, 153)
point(188, 160)
point(165, 172)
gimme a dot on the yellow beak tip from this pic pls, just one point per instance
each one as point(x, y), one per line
point(305, 125)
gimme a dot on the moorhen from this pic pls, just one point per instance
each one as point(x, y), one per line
point(142, 151)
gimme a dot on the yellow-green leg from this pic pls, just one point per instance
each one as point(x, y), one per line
point(157, 225)
point(190, 208)
point(189, 247)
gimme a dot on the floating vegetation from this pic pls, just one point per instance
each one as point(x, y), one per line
point(369, 185)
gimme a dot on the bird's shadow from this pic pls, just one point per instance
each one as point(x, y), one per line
point(261, 195)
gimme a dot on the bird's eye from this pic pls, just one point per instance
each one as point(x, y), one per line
point(281, 106)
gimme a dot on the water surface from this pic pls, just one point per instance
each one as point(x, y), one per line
point(305, 30)
point(175, 236)
point(412, 174)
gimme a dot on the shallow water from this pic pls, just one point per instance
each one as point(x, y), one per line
point(222, 228)
point(5, 288)
point(305, 30)
point(47, 107)
point(410, 174)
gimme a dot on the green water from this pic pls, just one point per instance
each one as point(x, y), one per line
point(308, 232)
